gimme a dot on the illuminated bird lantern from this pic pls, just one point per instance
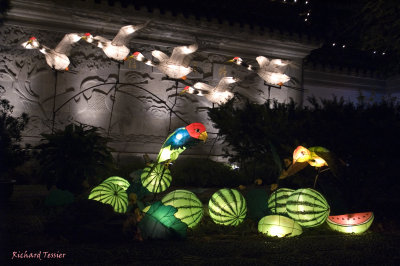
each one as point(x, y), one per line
point(157, 177)
point(353, 223)
point(56, 58)
point(271, 71)
point(116, 48)
point(307, 207)
point(278, 199)
point(218, 95)
point(122, 182)
point(112, 194)
point(176, 66)
point(227, 207)
point(190, 208)
point(279, 226)
point(310, 155)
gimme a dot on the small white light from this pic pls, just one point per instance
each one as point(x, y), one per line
point(179, 136)
point(333, 44)
point(295, 1)
point(374, 52)
point(383, 53)
point(305, 19)
point(308, 13)
point(344, 46)
point(306, 2)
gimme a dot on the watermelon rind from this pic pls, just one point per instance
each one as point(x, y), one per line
point(354, 223)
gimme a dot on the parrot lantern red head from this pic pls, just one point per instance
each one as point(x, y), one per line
point(197, 131)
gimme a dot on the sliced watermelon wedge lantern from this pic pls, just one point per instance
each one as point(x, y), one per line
point(356, 223)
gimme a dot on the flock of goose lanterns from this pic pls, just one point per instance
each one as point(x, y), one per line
point(176, 66)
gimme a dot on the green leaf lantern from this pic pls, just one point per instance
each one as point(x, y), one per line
point(280, 226)
point(156, 178)
point(190, 208)
point(159, 222)
point(277, 201)
point(109, 193)
point(307, 207)
point(354, 223)
point(227, 207)
point(122, 182)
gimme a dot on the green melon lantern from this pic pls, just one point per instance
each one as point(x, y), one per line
point(122, 182)
point(307, 207)
point(354, 223)
point(156, 178)
point(227, 207)
point(190, 208)
point(109, 193)
point(280, 226)
point(277, 201)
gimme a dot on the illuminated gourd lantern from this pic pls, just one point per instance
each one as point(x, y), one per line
point(277, 201)
point(122, 182)
point(112, 194)
point(190, 208)
point(156, 178)
point(176, 66)
point(307, 207)
point(227, 207)
point(56, 58)
point(354, 223)
point(280, 226)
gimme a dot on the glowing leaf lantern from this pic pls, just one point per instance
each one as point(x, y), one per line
point(122, 182)
point(307, 207)
point(227, 207)
point(109, 193)
point(280, 226)
point(277, 201)
point(156, 179)
point(354, 223)
point(190, 208)
point(159, 222)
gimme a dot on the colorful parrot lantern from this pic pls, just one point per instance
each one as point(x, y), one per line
point(227, 207)
point(190, 208)
point(354, 223)
point(112, 194)
point(307, 207)
point(277, 201)
point(122, 182)
point(279, 226)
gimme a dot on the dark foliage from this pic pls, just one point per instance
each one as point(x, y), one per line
point(11, 152)
point(74, 155)
point(364, 136)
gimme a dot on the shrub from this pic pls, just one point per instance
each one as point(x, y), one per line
point(74, 156)
point(11, 152)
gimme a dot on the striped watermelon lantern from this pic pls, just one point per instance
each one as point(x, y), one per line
point(190, 208)
point(156, 178)
point(227, 207)
point(109, 193)
point(280, 226)
point(307, 207)
point(122, 182)
point(277, 201)
point(354, 223)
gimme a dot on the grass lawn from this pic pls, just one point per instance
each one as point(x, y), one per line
point(24, 221)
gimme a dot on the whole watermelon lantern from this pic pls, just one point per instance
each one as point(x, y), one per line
point(307, 207)
point(156, 178)
point(122, 182)
point(280, 226)
point(227, 207)
point(277, 201)
point(190, 208)
point(354, 223)
point(109, 193)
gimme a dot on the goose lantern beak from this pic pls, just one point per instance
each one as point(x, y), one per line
point(203, 136)
point(184, 90)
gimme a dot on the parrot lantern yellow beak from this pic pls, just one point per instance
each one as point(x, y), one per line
point(203, 136)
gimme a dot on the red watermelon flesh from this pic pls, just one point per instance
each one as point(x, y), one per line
point(351, 219)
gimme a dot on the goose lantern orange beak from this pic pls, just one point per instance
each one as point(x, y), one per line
point(203, 136)
point(301, 155)
point(186, 89)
